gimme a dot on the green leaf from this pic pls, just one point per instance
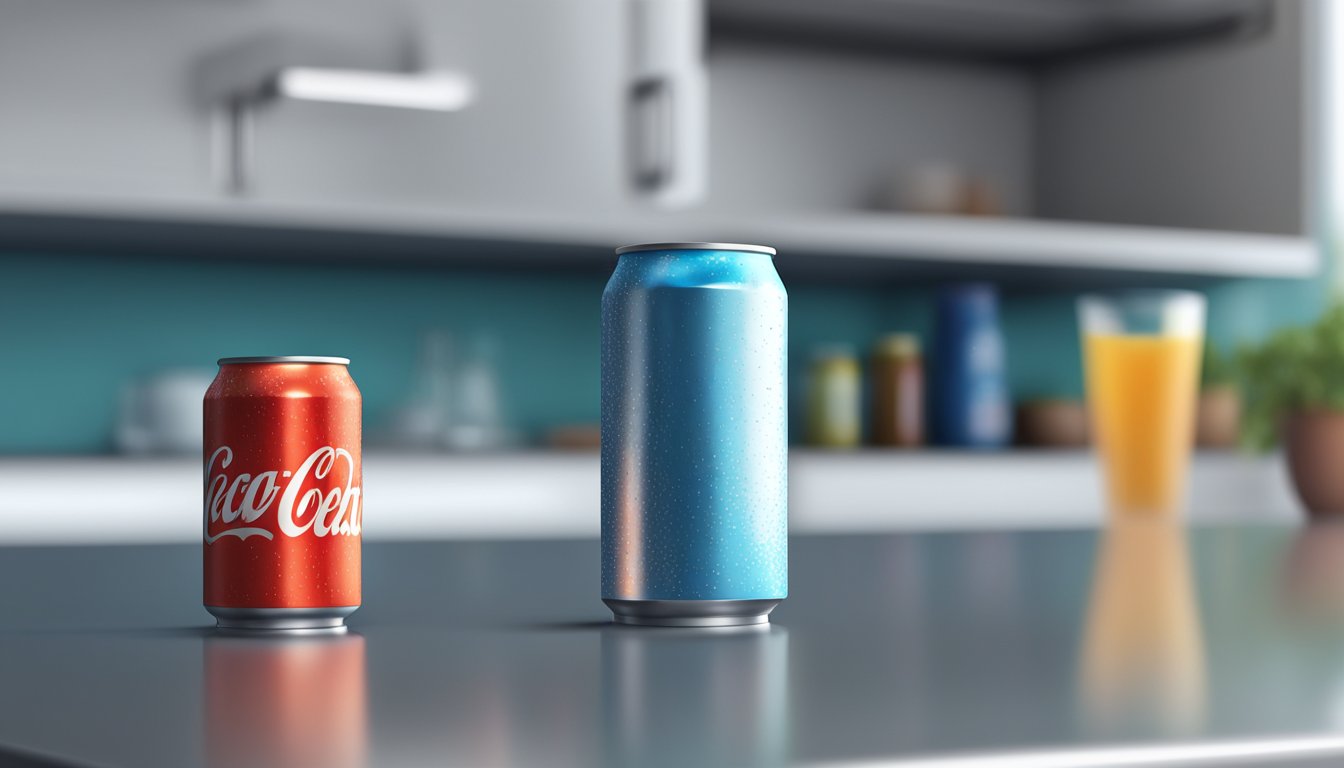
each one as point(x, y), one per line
point(1293, 370)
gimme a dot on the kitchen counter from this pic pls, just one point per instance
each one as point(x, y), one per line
point(1134, 646)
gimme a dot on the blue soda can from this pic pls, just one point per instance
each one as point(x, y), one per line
point(694, 435)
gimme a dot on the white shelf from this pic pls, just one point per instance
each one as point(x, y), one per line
point(531, 495)
point(1054, 245)
point(835, 245)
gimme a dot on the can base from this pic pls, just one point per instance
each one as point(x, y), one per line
point(691, 613)
point(284, 620)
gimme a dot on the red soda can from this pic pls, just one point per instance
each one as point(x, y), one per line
point(283, 493)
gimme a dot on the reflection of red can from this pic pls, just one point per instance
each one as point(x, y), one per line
point(283, 500)
point(291, 702)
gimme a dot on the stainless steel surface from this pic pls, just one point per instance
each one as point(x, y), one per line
point(281, 619)
point(1015, 649)
point(315, 360)
point(691, 613)
point(695, 247)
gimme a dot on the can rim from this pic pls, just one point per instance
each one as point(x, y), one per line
point(318, 360)
point(695, 247)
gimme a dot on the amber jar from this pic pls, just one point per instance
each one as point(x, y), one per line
point(898, 391)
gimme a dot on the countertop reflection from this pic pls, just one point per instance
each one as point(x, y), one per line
point(949, 648)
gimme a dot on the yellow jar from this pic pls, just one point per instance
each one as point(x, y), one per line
point(834, 398)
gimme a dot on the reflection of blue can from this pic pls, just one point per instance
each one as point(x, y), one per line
point(970, 393)
point(694, 435)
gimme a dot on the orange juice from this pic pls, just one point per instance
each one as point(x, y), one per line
point(1141, 391)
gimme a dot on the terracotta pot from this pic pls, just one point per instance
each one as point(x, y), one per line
point(1218, 423)
point(1314, 444)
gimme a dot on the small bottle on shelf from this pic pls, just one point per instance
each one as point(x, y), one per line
point(897, 371)
point(834, 398)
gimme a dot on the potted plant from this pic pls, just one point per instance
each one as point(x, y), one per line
point(1294, 390)
point(1218, 421)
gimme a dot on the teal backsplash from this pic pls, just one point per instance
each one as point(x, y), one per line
point(75, 329)
point(1045, 356)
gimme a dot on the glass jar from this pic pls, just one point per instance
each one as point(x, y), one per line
point(897, 370)
point(834, 394)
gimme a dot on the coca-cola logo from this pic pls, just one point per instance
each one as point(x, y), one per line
point(234, 504)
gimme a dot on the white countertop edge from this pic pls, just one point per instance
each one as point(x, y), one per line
point(1234, 752)
point(557, 495)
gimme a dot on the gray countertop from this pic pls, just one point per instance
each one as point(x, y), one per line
point(1140, 645)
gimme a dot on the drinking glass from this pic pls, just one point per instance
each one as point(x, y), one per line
point(1141, 351)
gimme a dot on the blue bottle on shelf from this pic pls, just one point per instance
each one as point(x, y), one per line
point(970, 392)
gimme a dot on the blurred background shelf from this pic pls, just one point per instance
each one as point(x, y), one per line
point(538, 495)
point(834, 246)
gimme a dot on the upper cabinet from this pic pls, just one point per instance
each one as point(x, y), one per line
point(558, 128)
point(539, 127)
point(447, 103)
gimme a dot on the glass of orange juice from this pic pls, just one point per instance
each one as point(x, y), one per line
point(1141, 350)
